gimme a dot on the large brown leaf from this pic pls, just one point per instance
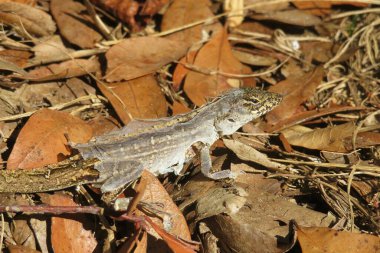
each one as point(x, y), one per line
point(72, 233)
point(296, 90)
point(155, 194)
point(183, 12)
point(215, 56)
point(27, 19)
point(139, 98)
point(74, 24)
point(319, 239)
point(66, 69)
point(328, 139)
point(136, 57)
point(42, 141)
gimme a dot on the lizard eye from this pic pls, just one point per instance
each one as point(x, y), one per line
point(254, 100)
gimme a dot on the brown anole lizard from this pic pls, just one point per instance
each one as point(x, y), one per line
point(160, 146)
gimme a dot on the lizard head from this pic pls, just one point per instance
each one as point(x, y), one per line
point(243, 105)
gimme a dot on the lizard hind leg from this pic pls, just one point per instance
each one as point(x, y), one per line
point(119, 173)
point(206, 165)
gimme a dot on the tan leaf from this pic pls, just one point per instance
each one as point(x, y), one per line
point(215, 56)
point(292, 17)
point(136, 57)
point(17, 57)
point(34, 96)
point(52, 48)
point(66, 69)
point(248, 153)
point(309, 115)
point(21, 249)
point(42, 141)
point(329, 138)
point(321, 239)
point(321, 8)
point(156, 195)
point(74, 24)
point(71, 233)
point(183, 12)
point(296, 91)
point(24, 17)
point(141, 98)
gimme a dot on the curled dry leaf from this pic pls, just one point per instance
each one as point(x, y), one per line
point(139, 98)
point(17, 57)
point(156, 196)
point(322, 8)
point(127, 10)
point(34, 96)
point(264, 218)
point(248, 153)
point(309, 115)
point(214, 57)
point(136, 57)
point(321, 239)
point(292, 17)
point(50, 49)
point(67, 69)
point(296, 91)
point(42, 141)
point(76, 26)
point(72, 233)
point(184, 12)
point(27, 18)
point(330, 138)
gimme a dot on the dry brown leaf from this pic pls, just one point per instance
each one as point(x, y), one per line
point(253, 59)
point(138, 243)
point(17, 57)
point(127, 10)
point(174, 243)
point(74, 24)
point(142, 98)
point(216, 55)
point(42, 141)
point(321, 240)
point(329, 138)
point(66, 69)
point(101, 125)
point(136, 57)
point(156, 195)
point(296, 91)
point(321, 8)
point(363, 140)
point(72, 233)
point(178, 108)
point(309, 115)
point(183, 12)
point(258, 226)
point(316, 50)
point(292, 17)
point(21, 249)
point(52, 48)
point(24, 17)
point(265, 7)
point(248, 153)
point(181, 71)
point(33, 97)
point(28, 2)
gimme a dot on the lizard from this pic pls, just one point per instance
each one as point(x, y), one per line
point(160, 145)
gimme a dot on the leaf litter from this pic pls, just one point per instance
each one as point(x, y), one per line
point(308, 170)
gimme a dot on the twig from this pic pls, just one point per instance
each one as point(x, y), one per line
point(331, 165)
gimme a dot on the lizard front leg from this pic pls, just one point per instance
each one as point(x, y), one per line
point(206, 165)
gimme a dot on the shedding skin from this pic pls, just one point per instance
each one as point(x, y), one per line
point(162, 145)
